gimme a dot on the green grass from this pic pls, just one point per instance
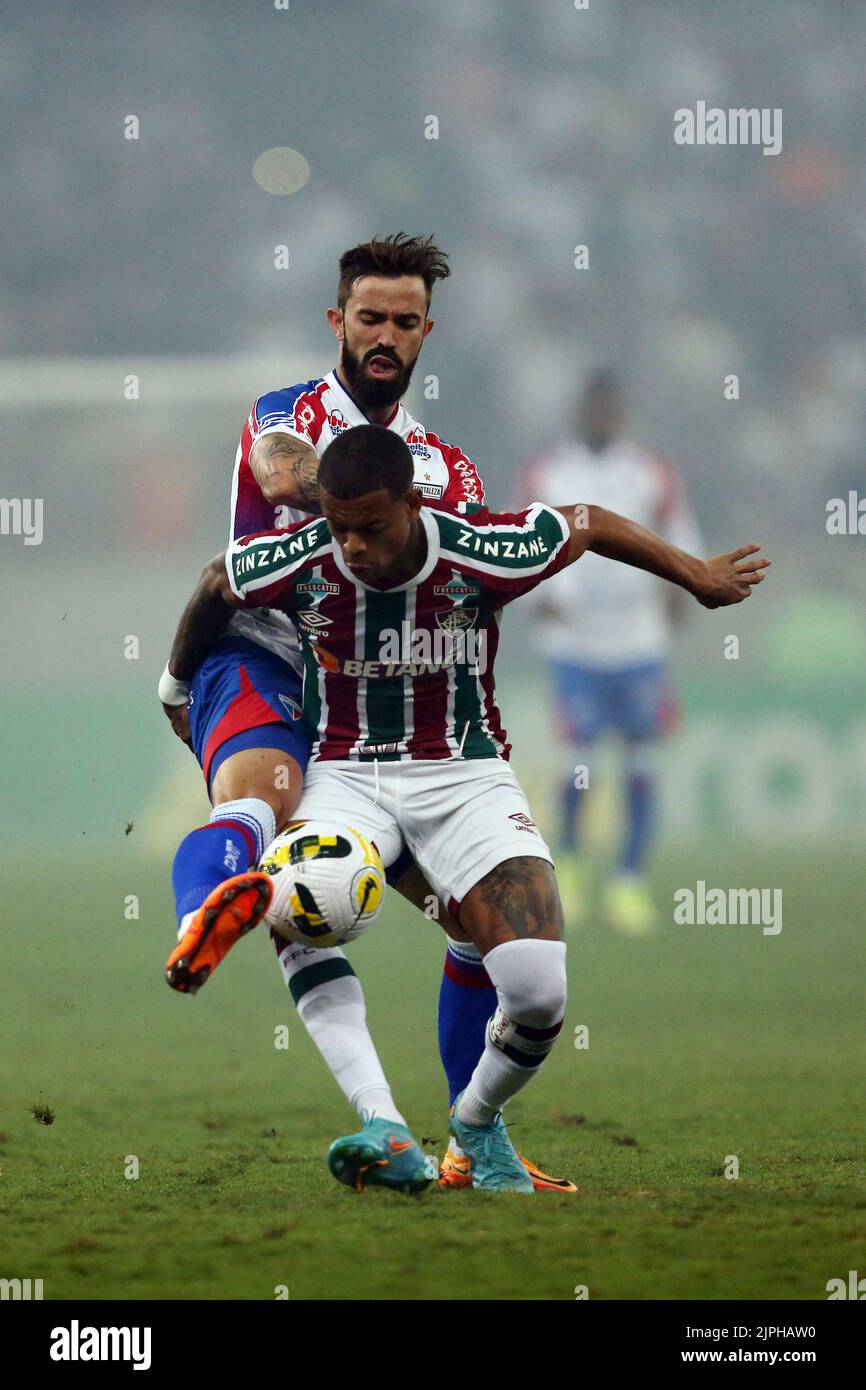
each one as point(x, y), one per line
point(704, 1042)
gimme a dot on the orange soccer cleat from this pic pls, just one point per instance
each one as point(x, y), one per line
point(228, 913)
point(456, 1171)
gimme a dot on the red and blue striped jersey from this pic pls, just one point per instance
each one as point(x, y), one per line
point(317, 411)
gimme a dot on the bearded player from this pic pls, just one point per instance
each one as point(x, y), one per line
point(242, 713)
point(412, 752)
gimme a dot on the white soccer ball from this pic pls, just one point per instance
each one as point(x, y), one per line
point(329, 883)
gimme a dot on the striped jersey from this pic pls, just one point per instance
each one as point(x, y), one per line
point(317, 411)
point(404, 672)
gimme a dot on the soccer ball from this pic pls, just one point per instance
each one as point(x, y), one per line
point(329, 883)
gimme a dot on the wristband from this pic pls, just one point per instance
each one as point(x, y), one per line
point(173, 691)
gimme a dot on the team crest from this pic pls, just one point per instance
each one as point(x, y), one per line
point(456, 619)
point(291, 706)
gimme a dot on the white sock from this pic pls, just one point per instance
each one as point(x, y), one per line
point(255, 815)
point(530, 981)
point(330, 1001)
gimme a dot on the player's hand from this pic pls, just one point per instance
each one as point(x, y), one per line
point(730, 578)
point(178, 718)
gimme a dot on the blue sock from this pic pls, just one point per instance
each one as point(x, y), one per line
point(467, 1000)
point(238, 834)
point(640, 818)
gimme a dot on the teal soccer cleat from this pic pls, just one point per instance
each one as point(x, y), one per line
point(382, 1154)
point(496, 1166)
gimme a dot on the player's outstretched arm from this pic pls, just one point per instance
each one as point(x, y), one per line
point(287, 471)
point(202, 623)
point(716, 583)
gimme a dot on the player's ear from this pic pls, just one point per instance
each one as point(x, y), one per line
point(429, 325)
point(414, 501)
point(335, 320)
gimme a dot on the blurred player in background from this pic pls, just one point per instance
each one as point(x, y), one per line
point(605, 631)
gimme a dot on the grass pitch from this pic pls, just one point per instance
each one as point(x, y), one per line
point(704, 1042)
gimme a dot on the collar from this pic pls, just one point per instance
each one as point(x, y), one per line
point(431, 530)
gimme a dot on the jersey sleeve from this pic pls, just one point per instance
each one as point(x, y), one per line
point(509, 552)
point(298, 411)
point(261, 567)
point(464, 480)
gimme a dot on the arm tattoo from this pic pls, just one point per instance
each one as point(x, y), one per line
point(522, 895)
point(292, 465)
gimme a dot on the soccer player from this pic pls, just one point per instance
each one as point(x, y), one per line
point(410, 747)
point(242, 713)
point(605, 631)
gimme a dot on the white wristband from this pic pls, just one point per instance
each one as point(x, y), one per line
point(171, 690)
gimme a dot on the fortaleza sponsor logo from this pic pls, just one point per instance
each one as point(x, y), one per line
point(729, 907)
point(76, 1343)
point(739, 125)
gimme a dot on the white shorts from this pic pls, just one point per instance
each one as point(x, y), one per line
point(458, 817)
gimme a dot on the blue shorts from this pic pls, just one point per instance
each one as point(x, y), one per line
point(637, 702)
point(243, 696)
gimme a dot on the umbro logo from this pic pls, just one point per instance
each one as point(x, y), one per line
point(312, 620)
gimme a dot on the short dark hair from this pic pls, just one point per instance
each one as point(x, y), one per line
point(393, 255)
point(365, 459)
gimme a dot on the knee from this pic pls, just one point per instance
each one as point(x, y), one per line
point(530, 977)
point(278, 784)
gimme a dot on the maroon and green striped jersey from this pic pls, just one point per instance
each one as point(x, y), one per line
point(404, 672)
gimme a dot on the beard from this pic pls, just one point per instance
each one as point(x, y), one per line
point(369, 392)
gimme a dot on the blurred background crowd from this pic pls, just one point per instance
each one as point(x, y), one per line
point(155, 257)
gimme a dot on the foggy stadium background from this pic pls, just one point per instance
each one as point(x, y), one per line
point(155, 258)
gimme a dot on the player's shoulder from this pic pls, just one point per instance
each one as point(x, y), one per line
point(475, 534)
point(278, 553)
point(288, 404)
